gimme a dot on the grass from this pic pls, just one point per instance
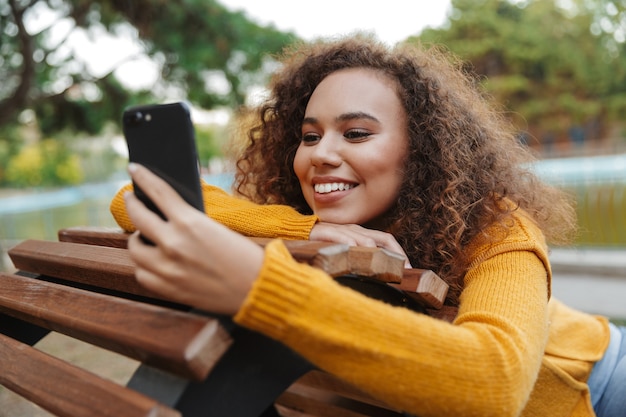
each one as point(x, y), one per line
point(600, 211)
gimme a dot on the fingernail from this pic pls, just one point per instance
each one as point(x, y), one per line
point(132, 167)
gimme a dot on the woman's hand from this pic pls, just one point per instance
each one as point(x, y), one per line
point(195, 260)
point(355, 235)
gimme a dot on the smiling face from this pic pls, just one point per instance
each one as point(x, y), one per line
point(354, 142)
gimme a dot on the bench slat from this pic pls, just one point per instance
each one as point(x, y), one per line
point(100, 266)
point(320, 380)
point(335, 259)
point(94, 235)
point(68, 391)
point(301, 250)
point(186, 344)
point(423, 286)
point(311, 402)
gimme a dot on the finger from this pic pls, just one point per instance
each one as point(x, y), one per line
point(345, 234)
point(144, 219)
point(154, 259)
point(142, 255)
point(387, 241)
point(375, 239)
point(356, 235)
point(383, 240)
point(148, 265)
point(158, 190)
point(156, 284)
point(390, 243)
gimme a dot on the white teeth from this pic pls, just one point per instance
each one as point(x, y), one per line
point(329, 187)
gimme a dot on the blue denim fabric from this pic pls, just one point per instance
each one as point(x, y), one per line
point(608, 386)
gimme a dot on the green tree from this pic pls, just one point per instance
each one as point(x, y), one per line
point(553, 64)
point(45, 163)
point(208, 143)
point(206, 53)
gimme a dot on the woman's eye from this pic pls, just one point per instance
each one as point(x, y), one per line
point(310, 138)
point(356, 134)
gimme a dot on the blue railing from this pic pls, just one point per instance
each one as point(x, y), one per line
point(49, 199)
point(594, 170)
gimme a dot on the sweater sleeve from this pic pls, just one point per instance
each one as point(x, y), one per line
point(483, 364)
point(243, 216)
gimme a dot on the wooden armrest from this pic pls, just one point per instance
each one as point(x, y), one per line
point(69, 391)
point(183, 343)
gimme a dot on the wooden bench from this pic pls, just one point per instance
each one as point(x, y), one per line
point(191, 363)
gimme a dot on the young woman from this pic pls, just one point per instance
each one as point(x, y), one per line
point(396, 148)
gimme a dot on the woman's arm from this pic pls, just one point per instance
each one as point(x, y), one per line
point(243, 216)
point(272, 221)
point(485, 363)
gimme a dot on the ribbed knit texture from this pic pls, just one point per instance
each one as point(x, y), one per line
point(238, 214)
point(484, 364)
point(509, 351)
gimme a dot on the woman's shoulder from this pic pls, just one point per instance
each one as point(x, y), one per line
point(517, 231)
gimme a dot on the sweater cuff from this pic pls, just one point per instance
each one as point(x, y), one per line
point(297, 227)
point(118, 209)
point(277, 222)
point(282, 287)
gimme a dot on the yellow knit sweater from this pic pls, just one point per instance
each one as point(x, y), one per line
point(241, 215)
point(509, 352)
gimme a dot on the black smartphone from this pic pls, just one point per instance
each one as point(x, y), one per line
point(161, 137)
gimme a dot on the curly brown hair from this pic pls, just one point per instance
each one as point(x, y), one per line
point(464, 157)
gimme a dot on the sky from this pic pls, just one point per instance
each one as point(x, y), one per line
point(391, 20)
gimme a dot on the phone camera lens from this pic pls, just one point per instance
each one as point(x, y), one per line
point(136, 117)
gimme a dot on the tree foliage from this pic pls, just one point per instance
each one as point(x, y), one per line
point(45, 163)
point(205, 53)
point(555, 65)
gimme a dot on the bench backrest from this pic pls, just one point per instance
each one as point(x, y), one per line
point(83, 286)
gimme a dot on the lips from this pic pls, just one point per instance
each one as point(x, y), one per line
point(329, 187)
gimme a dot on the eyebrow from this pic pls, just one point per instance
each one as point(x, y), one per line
point(344, 117)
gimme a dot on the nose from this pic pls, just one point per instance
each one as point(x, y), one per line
point(327, 151)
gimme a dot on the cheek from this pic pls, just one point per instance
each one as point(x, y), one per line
point(380, 164)
point(299, 164)
point(386, 171)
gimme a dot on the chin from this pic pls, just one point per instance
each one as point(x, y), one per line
point(339, 218)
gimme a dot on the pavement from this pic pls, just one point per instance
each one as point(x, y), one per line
point(591, 280)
